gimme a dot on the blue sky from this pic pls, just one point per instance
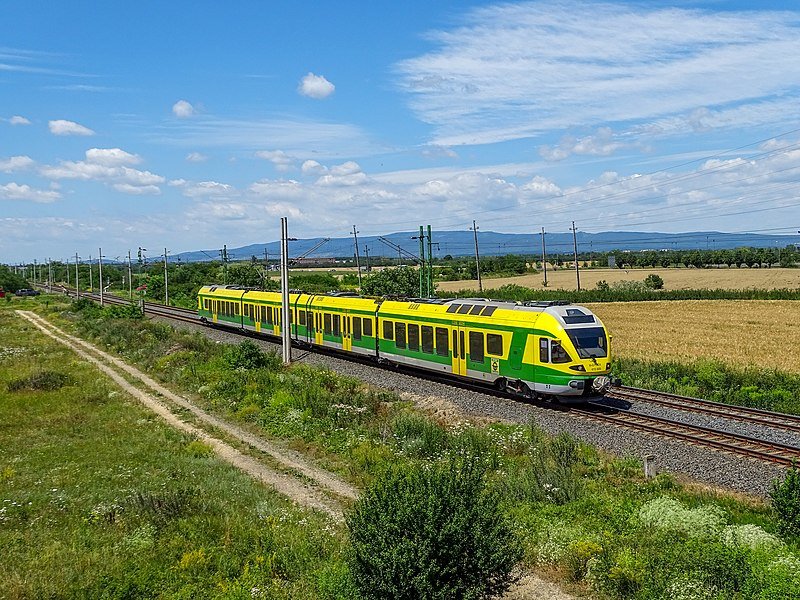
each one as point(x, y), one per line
point(193, 125)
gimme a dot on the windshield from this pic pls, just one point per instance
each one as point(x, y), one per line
point(589, 342)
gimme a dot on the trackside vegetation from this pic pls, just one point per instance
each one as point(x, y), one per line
point(633, 291)
point(559, 506)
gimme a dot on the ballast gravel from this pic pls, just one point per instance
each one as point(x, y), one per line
point(700, 464)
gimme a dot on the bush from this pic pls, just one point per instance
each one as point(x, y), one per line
point(433, 532)
point(785, 497)
point(247, 355)
point(654, 282)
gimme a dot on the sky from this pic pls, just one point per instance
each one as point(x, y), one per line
point(190, 125)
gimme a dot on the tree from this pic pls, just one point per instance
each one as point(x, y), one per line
point(654, 282)
point(10, 281)
point(785, 496)
point(431, 532)
point(403, 281)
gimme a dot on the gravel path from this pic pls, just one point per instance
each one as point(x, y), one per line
point(704, 465)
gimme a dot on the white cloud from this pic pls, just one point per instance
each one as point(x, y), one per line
point(573, 64)
point(281, 160)
point(541, 187)
point(18, 120)
point(602, 143)
point(196, 157)
point(111, 157)
point(312, 167)
point(137, 190)
point(16, 163)
point(14, 191)
point(204, 189)
point(62, 127)
point(435, 151)
point(182, 109)
point(315, 86)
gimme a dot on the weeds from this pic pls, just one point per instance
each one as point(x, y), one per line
point(45, 380)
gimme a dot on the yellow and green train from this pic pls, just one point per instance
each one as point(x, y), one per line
point(535, 349)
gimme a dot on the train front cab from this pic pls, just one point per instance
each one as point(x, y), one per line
point(571, 355)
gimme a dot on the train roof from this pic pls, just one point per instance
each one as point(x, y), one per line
point(564, 311)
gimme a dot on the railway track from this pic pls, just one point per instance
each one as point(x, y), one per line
point(708, 407)
point(724, 441)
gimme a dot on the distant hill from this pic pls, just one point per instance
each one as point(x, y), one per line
point(462, 243)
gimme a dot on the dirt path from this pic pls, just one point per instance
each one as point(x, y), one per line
point(288, 485)
point(529, 587)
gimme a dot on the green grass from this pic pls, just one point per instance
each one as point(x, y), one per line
point(576, 511)
point(98, 498)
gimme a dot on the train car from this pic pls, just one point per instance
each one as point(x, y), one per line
point(544, 349)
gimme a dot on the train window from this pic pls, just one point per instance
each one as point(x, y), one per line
point(544, 350)
point(476, 346)
point(442, 341)
point(302, 315)
point(319, 321)
point(494, 344)
point(368, 327)
point(453, 308)
point(476, 310)
point(427, 339)
point(337, 325)
point(328, 324)
point(270, 316)
point(236, 307)
point(310, 319)
point(557, 353)
point(455, 344)
point(388, 330)
point(205, 303)
point(464, 309)
point(356, 328)
point(413, 337)
point(488, 310)
point(400, 335)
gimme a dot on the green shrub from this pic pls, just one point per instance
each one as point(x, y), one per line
point(45, 380)
point(654, 282)
point(550, 474)
point(431, 532)
point(785, 496)
point(247, 355)
point(418, 436)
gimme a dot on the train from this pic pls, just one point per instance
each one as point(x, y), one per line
point(539, 350)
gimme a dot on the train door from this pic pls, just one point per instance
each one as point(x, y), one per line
point(318, 332)
point(347, 333)
point(459, 350)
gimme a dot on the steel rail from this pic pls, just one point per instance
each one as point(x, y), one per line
point(734, 443)
point(708, 407)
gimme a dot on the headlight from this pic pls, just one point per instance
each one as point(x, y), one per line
point(577, 368)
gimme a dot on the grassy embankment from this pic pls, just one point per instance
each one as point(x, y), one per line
point(98, 498)
point(582, 516)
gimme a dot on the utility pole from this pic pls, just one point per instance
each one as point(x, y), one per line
point(77, 285)
point(100, 267)
point(421, 264)
point(366, 252)
point(285, 322)
point(224, 254)
point(166, 284)
point(67, 265)
point(358, 263)
point(430, 264)
point(477, 257)
point(34, 271)
point(544, 259)
point(91, 276)
point(130, 278)
point(49, 275)
point(575, 247)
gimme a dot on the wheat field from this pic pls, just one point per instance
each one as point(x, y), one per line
point(764, 333)
point(674, 279)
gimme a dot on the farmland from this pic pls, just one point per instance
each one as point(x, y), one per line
point(674, 279)
point(739, 332)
